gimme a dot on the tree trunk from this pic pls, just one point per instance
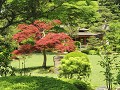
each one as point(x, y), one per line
point(45, 59)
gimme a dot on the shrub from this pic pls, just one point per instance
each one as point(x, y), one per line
point(76, 54)
point(34, 83)
point(85, 51)
point(78, 45)
point(75, 67)
point(93, 52)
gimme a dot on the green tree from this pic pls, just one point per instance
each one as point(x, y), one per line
point(76, 14)
point(110, 64)
point(113, 36)
point(113, 6)
point(17, 11)
point(6, 47)
point(70, 12)
point(109, 48)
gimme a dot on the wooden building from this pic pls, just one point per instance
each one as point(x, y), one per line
point(84, 34)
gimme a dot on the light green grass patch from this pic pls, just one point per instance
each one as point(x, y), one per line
point(34, 62)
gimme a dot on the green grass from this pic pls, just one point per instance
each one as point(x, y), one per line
point(34, 83)
point(34, 62)
point(96, 77)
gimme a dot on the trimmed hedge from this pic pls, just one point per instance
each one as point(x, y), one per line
point(34, 83)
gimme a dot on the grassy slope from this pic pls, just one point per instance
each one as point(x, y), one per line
point(35, 61)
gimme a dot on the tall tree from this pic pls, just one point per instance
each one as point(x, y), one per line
point(76, 13)
point(17, 11)
point(113, 6)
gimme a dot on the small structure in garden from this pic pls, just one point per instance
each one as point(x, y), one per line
point(84, 34)
point(57, 60)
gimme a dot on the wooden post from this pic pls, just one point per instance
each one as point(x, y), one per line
point(84, 41)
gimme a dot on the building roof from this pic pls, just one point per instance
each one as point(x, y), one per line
point(86, 34)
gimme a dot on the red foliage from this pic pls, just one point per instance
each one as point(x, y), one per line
point(58, 41)
point(16, 52)
point(56, 21)
point(27, 31)
point(24, 49)
point(42, 25)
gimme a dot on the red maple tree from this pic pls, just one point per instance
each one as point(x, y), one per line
point(33, 37)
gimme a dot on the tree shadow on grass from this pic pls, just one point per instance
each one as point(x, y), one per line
point(34, 83)
point(40, 69)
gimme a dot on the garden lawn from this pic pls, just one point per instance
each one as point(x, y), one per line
point(34, 60)
point(96, 77)
point(34, 63)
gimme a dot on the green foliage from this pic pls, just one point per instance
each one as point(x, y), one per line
point(93, 52)
point(110, 64)
point(76, 13)
point(78, 45)
point(76, 54)
point(118, 78)
point(86, 51)
point(93, 43)
point(93, 46)
point(112, 5)
point(79, 84)
point(75, 67)
point(6, 47)
point(34, 83)
point(113, 36)
point(28, 41)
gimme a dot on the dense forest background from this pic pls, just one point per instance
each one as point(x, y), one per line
point(95, 15)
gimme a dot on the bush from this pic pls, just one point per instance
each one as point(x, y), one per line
point(85, 51)
point(93, 52)
point(34, 83)
point(78, 45)
point(75, 67)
